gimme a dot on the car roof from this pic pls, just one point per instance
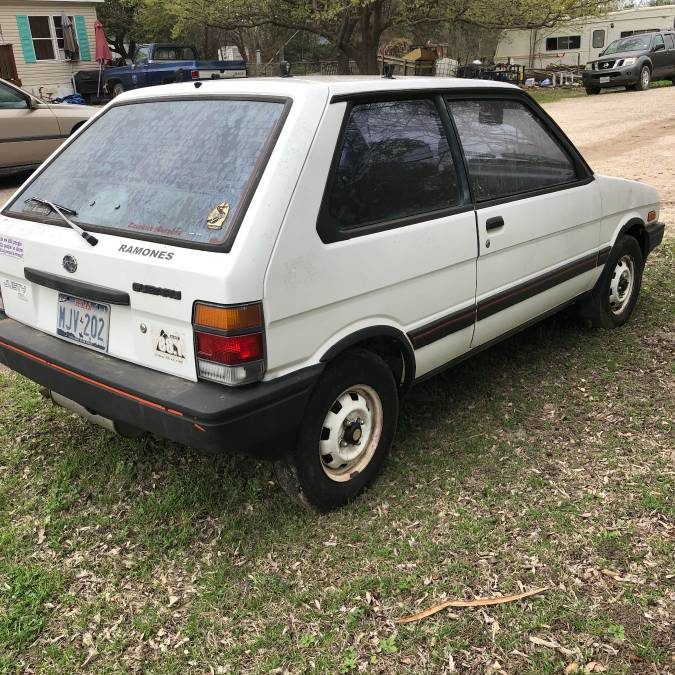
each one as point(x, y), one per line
point(327, 85)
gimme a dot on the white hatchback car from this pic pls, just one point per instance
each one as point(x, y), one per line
point(269, 264)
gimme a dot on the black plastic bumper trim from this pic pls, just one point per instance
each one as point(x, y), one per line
point(74, 287)
point(655, 235)
point(261, 418)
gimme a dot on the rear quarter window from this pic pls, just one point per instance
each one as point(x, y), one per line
point(180, 170)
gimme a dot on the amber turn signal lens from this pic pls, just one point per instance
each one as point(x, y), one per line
point(228, 318)
point(651, 216)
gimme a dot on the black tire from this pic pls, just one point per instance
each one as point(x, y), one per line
point(599, 309)
point(592, 91)
point(305, 473)
point(644, 80)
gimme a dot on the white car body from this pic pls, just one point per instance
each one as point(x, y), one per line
point(440, 287)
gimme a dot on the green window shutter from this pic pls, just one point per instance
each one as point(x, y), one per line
point(26, 39)
point(82, 39)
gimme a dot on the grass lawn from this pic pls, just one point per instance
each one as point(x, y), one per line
point(549, 95)
point(547, 461)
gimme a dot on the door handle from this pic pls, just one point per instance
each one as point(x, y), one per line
point(494, 223)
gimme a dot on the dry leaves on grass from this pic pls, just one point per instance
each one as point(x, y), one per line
point(478, 602)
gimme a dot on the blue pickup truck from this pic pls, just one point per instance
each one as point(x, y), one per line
point(164, 63)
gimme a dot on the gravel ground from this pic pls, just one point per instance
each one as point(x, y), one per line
point(631, 135)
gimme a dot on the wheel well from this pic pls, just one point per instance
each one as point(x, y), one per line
point(76, 127)
point(636, 229)
point(389, 344)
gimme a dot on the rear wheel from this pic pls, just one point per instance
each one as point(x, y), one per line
point(645, 79)
point(592, 91)
point(345, 435)
point(614, 297)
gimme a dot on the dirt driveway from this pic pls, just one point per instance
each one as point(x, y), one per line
point(631, 135)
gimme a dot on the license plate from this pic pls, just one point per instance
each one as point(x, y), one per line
point(605, 80)
point(83, 321)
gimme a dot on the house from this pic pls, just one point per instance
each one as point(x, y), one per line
point(581, 40)
point(32, 50)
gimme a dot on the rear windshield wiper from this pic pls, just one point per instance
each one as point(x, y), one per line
point(62, 210)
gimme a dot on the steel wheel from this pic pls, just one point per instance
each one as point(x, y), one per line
point(645, 78)
point(351, 432)
point(621, 284)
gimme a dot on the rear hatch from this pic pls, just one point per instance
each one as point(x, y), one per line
point(163, 186)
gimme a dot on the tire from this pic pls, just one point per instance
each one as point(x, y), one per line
point(345, 435)
point(592, 91)
point(615, 295)
point(644, 80)
point(117, 89)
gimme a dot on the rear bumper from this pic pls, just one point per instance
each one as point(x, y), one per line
point(654, 235)
point(261, 418)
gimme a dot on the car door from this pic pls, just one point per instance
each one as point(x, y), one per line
point(27, 135)
point(659, 57)
point(380, 232)
point(538, 211)
point(669, 39)
point(139, 74)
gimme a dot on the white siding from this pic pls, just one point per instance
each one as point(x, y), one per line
point(47, 74)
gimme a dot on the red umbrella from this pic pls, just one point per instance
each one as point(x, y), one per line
point(103, 54)
point(102, 48)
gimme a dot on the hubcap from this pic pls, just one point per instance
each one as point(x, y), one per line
point(621, 284)
point(351, 432)
point(645, 77)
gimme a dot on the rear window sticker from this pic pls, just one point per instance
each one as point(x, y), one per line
point(216, 219)
point(168, 344)
point(20, 288)
point(11, 247)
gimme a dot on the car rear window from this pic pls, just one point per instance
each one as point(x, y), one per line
point(179, 170)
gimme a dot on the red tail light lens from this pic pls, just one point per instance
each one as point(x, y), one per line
point(229, 350)
point(194, 74)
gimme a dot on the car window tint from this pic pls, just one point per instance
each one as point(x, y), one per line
point(670, 42)
point(124, 174)
point(394, 162)
point(507, 149)
point(10, 98)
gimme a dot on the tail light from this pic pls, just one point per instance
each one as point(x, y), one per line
point(229, 343)
point(194, 74)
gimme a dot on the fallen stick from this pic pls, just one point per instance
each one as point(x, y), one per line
point(478, 602)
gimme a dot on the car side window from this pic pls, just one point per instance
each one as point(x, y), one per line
point(394, 162)
point(142, 55)
point(658, 42)
point(10, 99)
point(670, 41)
point(508, 151)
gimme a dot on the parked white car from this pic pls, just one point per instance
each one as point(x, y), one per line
point(270, 264)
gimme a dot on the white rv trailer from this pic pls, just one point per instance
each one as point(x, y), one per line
point(580, 40)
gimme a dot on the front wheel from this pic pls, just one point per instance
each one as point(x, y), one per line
point(592, 91)
point(615, 295)
point(645, 79)
point(345, 435)
point(118, 89)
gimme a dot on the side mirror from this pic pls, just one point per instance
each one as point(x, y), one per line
point(31, 103)
point(658, 48)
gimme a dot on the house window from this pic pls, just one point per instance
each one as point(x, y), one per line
point(47, 35)
point(556, 44)
point(598, 39)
